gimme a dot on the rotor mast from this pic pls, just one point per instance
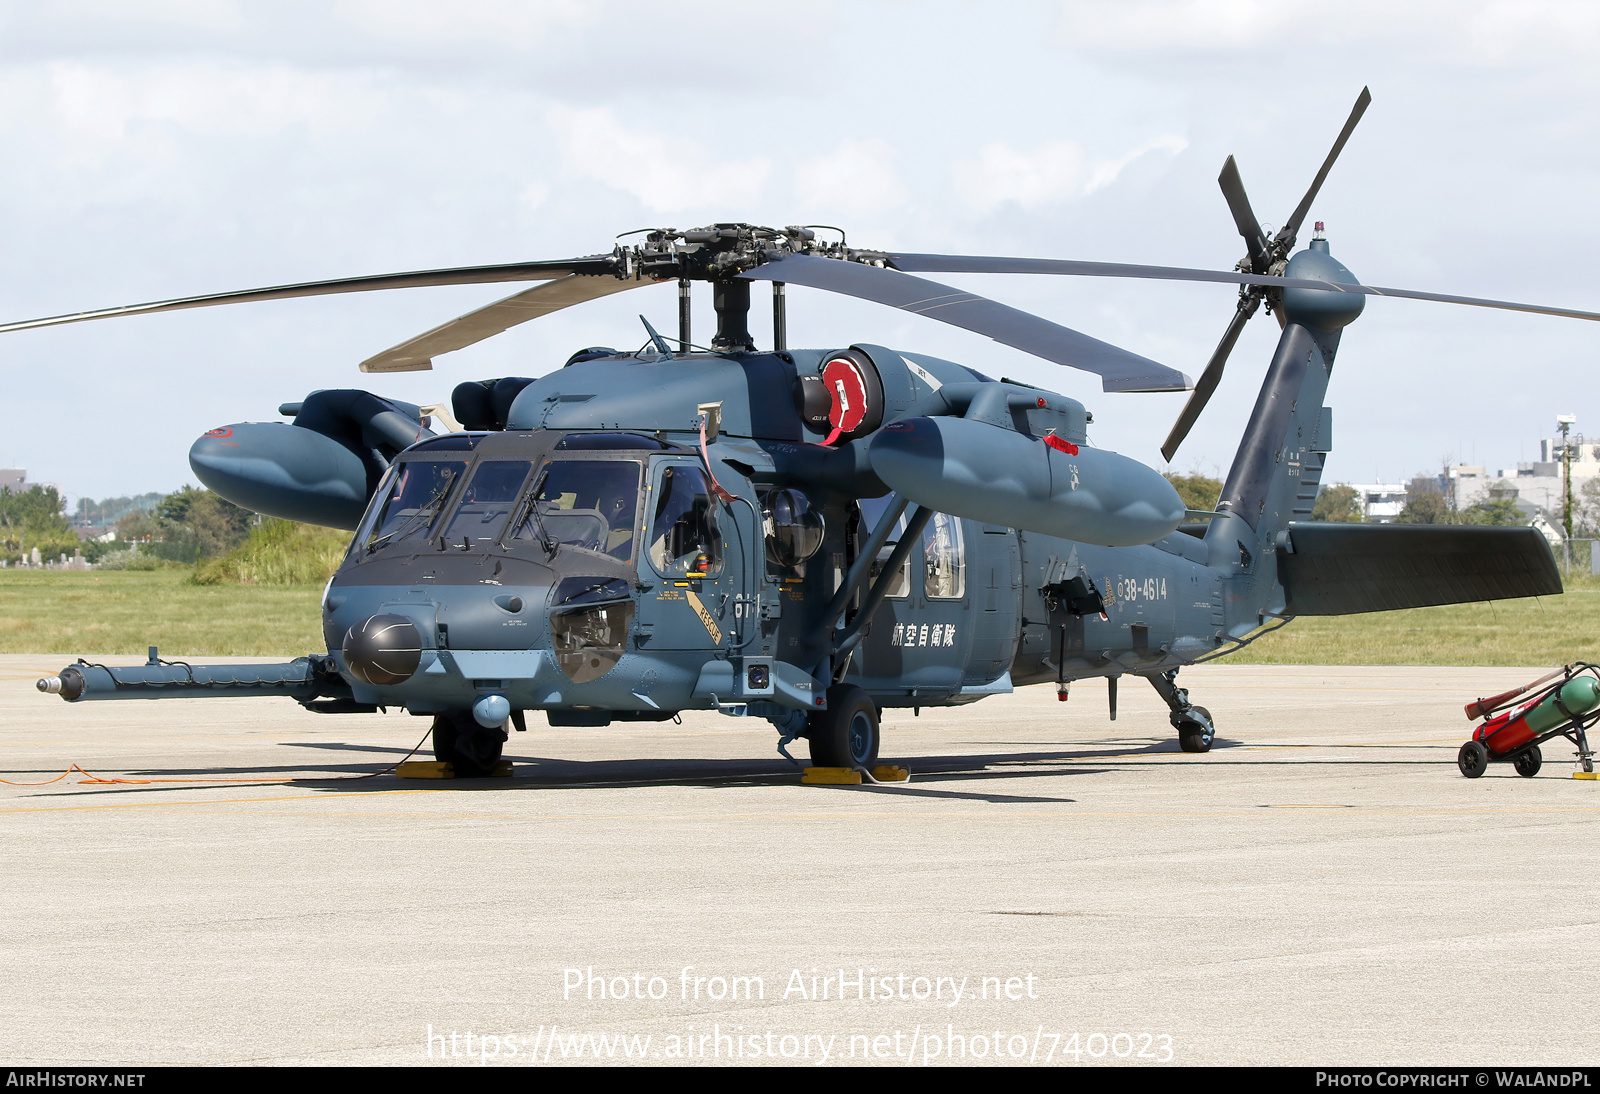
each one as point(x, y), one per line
point(731, 298)
point(719, 254)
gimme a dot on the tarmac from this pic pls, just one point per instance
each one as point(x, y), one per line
point(1323, 888)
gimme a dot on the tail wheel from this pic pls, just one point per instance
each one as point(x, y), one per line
point(461, 742)
point(1196, 736)
point(1473, 759)
point(846, 734)
point(1529, 762)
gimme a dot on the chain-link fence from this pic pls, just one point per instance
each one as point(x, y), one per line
point(1578, 556)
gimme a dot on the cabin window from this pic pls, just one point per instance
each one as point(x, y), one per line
point(873, 511)
point(684, 541)
point(944, 558)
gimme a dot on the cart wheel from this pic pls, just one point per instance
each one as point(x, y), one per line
point(1473, 759)
point(1529, 762)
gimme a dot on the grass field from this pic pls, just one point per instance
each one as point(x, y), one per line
point(1552, 630)
point(73, 612)
point(121, 611)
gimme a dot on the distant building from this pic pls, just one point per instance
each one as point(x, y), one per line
point(15, 479)
point(1381, 502)
point(1537, 485)
point(1549, 531)
point(1465, 484)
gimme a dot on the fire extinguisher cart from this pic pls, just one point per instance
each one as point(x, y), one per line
point(1515, 723)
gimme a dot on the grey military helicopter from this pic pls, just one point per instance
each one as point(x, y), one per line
point(807, 536)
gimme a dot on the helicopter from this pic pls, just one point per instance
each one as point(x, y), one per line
point(805, 536)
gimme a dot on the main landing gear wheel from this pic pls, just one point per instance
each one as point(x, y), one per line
point(846, 734)
point(1529, 762)
point(1194, 725)
point(1196, 736)
point(461, 742)
point(1473, 759)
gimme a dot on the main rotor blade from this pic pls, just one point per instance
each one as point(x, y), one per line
point(1210, 377)
point(458, 275)
point(1255, 240)
point(1118, 369)
point(1072, 267)
point(1291, 228)
point(417, 354)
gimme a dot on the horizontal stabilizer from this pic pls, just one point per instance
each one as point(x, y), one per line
point(1345, 569)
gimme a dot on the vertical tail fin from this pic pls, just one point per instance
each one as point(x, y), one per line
point(1278, 469)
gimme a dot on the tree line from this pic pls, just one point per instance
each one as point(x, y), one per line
point(32, 519)
point(1426, 503)
point(186, 525)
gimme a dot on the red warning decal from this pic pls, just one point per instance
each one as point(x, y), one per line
point(848, 390)
point(220, 431)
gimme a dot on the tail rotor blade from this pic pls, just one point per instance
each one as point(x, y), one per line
point(1286, 234)
point(1210, 377)
point(1255, 240)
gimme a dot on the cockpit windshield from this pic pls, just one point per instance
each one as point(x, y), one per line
point(486, 503)
point(417, 494)
point(589, 504)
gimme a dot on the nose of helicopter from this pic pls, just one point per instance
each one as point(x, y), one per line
point(384, 649)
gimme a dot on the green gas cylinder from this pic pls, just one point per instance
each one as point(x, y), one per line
point(1514, 729)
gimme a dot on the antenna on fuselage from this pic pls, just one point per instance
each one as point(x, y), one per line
point(656, 340)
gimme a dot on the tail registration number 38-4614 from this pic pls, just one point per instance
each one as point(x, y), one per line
point(1133, 589)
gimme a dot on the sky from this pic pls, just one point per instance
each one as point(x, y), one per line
point(172, 147)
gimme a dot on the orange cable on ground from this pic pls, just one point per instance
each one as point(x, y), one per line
point(93, 779)
point(70, 770)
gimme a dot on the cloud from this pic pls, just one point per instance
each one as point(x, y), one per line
point(1055, 171)
point(210, 15)
point(856, 179)
point(534, 195)
point(666, 174)
point(1482, 33)
point(98, 103)
point(502, 23)
point(1197, 25)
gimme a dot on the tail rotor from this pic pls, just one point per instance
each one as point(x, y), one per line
point(1262, 256)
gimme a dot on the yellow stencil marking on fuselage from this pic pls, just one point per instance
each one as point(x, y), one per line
point(705, 616)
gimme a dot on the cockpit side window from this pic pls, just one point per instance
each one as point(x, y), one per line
point(589, 504)
point(375, 506)
point(684, 541)
point(486, 503)
point(417, 494)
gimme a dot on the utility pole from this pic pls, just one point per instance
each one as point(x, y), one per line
point(1565, 422)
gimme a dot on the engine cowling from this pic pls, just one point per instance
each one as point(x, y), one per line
point(980, 471)
point(321, 469)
